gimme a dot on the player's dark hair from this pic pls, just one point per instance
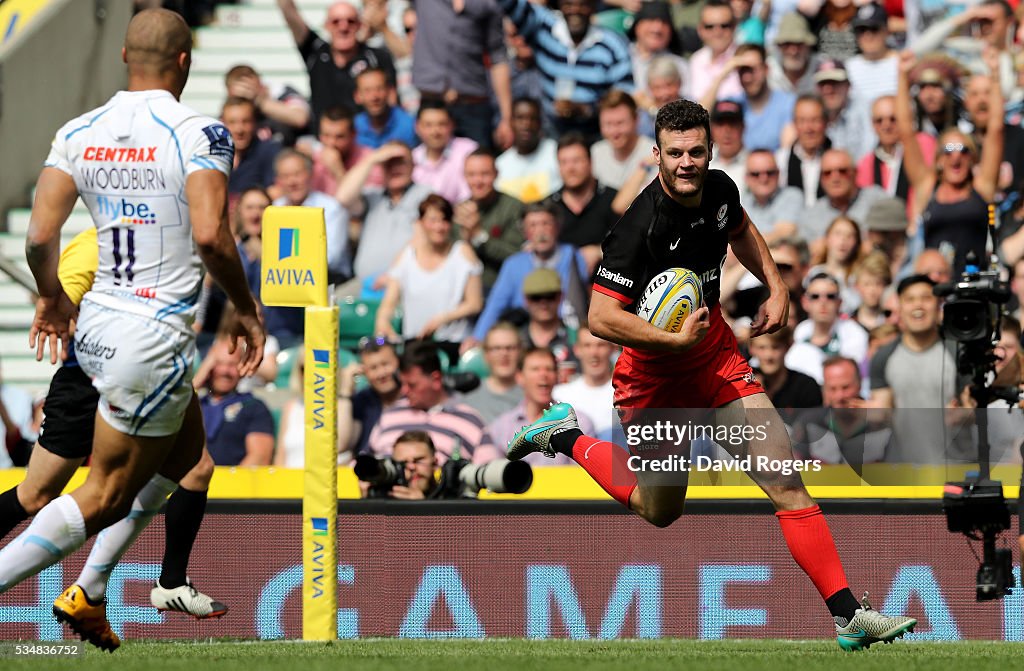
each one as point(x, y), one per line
point(682, 115)
point(439, 203)
point(531, 351)
point(571, 139)
point(417, 437)
point(422, 354)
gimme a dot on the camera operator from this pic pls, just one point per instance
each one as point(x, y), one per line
point(409, 474)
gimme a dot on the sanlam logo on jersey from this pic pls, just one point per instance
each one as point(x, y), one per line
point(287, 248)
point(614, 277)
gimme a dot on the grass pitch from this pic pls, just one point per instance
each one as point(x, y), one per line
point(520, 655)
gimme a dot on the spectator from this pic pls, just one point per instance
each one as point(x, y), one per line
point(833, 24)
point(584, 204)
point(846, 129)
point(16, 433)
point(283, 113)
point(582, 60)
point(417, 457)
point(664, 84)
point(621, 149)
point(871, 276)
point(951, 198)
point(824, 334)
point(294, 180)
point(1017, 287)
point(842, 197)
point(529, 169)
point(772, 207)
point(886, 225)
point(381, 121)
point(459, 47)
point(388, 214)
point(788, 390)
point(717, 31)
point(843, 434)
point(338, 150)
point(427, 406)
point(489, 219)
point(727, 131)
point(765, 112)
point(975, 120)
point(937, 107)
point(541, 227)
point(435, 280)
point(239, 428)
point(838, 256)
point(872, 72)
point(333, 64)
point(801, 161)
point(916, 372)
point(792, 68)
point(884, 166)
point(652, 36)
point(254, 158)
point(359, 411)
point(544, 328)
point(592, 391)
point(439, 162)
point(935, 265)
point(498, 391)
point(536, 375)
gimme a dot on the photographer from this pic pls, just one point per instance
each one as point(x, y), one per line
point(409, 474)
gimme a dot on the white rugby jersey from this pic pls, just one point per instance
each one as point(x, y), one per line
point(129, 159)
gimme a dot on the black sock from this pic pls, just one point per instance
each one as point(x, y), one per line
point(185, 510)
point(11, 512)
point(564, 440)
point(843, 604)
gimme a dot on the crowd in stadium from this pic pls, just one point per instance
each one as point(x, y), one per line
point(470, 164)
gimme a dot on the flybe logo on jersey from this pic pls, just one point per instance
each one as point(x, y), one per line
point(125, 211)
point(614, 277)
point(120, 154)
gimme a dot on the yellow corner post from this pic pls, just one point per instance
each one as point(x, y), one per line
point(294, 274)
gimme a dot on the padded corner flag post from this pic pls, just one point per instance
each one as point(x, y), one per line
point(294, 274)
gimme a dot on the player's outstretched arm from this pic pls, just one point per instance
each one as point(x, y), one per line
point(751, 250)
point(55, 197)
point(207, 194)
point(608, 319)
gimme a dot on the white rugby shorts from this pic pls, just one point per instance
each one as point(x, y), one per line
point(141, 367)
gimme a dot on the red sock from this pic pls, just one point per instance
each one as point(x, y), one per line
point(606, 463)
point(810, 542)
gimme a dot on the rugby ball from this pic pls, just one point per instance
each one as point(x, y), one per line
point(670, 298)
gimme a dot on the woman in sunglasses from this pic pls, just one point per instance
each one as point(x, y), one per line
point(436, 280)
point(949, 201)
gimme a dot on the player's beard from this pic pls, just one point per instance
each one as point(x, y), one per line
point(678, 189)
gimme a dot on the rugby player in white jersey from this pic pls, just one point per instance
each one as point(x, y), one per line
point(154, 176)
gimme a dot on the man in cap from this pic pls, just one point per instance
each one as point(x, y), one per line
point(766, 112)
point(792, 67)
point(872, 72)
point(727, 130)
point(845, 129)
point(886, 225)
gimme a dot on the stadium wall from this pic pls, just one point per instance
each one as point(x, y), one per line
point(66, 61)
point(544, 570)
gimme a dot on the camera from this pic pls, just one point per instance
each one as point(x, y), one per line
point(382, 473)
point(972, 316)
point(500, 476)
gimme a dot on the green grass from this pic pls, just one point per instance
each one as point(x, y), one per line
point(519, 655)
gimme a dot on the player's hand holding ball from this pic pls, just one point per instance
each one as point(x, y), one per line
point(674, 302)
